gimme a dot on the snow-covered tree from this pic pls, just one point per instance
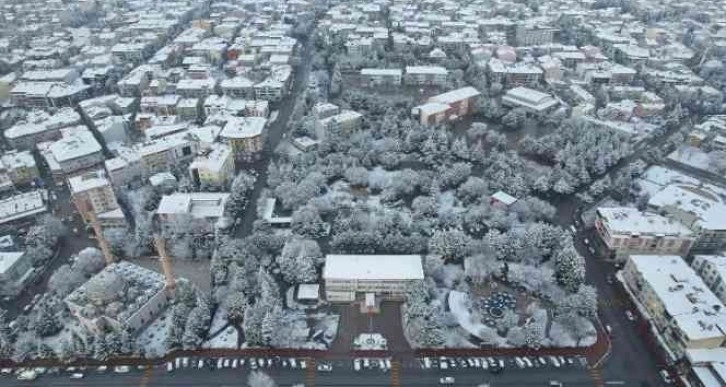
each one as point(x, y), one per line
point(236, 306)
point(450, 244)
point(569, 269)
point(306, 222)
point(45, 320)
point(89, 261)
point(240, 189)
point(509, 320)
point(357, 176)
point(252, 324)
point(260, 379)
point(64, 280)
point(299, 260)
point(481, 267)
point(474, 189)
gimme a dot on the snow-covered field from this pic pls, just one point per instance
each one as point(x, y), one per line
point(225, 339)
point(152, 338)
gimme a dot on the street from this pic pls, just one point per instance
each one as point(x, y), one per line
point(342, 374)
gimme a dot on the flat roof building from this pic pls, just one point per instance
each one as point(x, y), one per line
point(385, 275)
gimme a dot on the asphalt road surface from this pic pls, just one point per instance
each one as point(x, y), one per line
point(342, 376)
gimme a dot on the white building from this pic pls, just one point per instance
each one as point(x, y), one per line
point(385, 275)
point(626, 231)
point(15, 270)
point(712, 269)
point(214, 167)
point(684, 312)
point(77, 150)
point(426, 75)
point(28, 204)
point(244, 134)
point(531, 100)
point(203, 209)
point(373, 77)
point(92, 191)
point(20, 166)
point(122, 296)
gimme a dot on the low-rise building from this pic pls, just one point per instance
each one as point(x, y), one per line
point(92, 192)
point(24, 205)
point(194, 211)
point(244, 134)
point(426, 75)
point(626, 231)
point(347, 276)
point(214, 167)
point(682, 310)
point(122, 296)
point(75, 151)
point(531, 100)
point(378, 77)
point(15, 269)
point(712, 269)
point(20, 167)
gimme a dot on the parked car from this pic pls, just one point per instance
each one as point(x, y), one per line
point(665, 376)
point(77, 375)
point(27, 375)
point(448, 380)
point(121, 369)
point(325, 367)
point(630, 315)
point(169, 366)
point(356, 364)
point(101, 369)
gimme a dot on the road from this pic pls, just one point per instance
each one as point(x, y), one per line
point(632, 356)
point(343, 375)
point(274, 134)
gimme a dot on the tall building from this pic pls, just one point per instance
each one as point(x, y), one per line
point(92, 191)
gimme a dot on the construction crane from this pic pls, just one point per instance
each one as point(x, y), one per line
point(85, 211)
point(160, 245)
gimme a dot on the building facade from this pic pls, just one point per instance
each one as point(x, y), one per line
point(347, 276)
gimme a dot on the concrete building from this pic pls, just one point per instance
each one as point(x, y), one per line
point(15, 270)
point(683, 311)
point(163, 153)
point(75, 151)
point(381, 77)
point(447, 106)
point(532, 101)
point(92, 191)
point(347, 276)
point(24, 205)
point(198, 211)
point(214, 167)
point(697, 207)
point(514, 74)
point(626, 231)
point(244, 134)
point(122, 296)
point(426, 75)
point(712, 269)
point(20, 167)
point(346, 121)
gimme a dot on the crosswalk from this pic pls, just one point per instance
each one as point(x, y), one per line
point(596, 375)
point(310, 372)
point(395, 373)
point(146, 377)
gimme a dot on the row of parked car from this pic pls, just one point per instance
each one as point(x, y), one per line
point(234, 362)
point(74, 372)
point(496, 365)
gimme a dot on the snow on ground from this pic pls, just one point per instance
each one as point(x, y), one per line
point(451, 274)
point(693, 157)
point(153, 336)
point(458, 305)
point(219, 321)
point(70, 325)
point(448, 203)
point(225, 339)
point(560, 337)
point(196, 271)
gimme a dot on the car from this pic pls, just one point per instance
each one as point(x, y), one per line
point(235, 362)
point(573, 230)
point(555, 383)
point(241, 361)
point(226, 363)
point(284, 363)
point(253, 364)
point(542, 361)
point(555, 362)
point(366, 363)
point(484, 363)
point(665, 376)
point(382, 365)
point(426, 363)
point(101, 369)
point(269, 363)
point(586, 242)
point(609, 329)
point(477, 363)
point(356, 364)
point(325, 367)
point(71, 369)
point(27, 308)
point(6, 371)
point(40, 370)
point(77, 375)
point(388, 363)
point(303, 364)
point(447, 380)
point(121, 369)
point(27, 375)
point(527, 362)
point(444, 365)
point(630, 315)
point(185, 362)
point(463, 363)
point(519, 362)
point(169, 366)
point(470, 362)
point(200, 364)
point(562, 360)
point(293, 363)
point(220, 362)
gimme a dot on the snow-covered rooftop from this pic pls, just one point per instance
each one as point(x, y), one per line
point(22, 205)
point(454, 96)
point(8, 259)
point(627, 220)
point(705, 205)
point(77, 144)
point(198, 204)
point(373, 267)
point(88, 181)
point(243, 127)
point(686, 298)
